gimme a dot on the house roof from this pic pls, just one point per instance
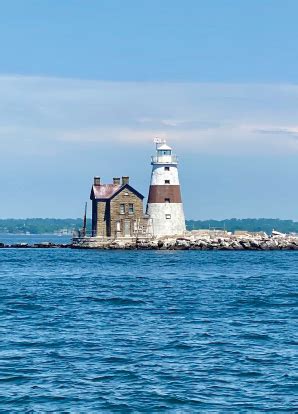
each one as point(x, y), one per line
point(104, 190)
point(108, 191)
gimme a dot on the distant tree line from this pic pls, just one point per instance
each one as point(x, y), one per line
point(51, 225)
point(41, 225)
point(254, 225)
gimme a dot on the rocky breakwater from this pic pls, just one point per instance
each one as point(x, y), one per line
point(230, 243)
point(199, 242)
point(43, 245)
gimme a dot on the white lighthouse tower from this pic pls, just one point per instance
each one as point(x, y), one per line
point(165, 206)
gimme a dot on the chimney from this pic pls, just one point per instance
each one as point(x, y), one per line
point(116, 181)
point(96, 180)
point(125, 180)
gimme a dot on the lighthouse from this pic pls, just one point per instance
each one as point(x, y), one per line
point(165, 206)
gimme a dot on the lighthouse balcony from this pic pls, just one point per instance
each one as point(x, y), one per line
point(164, 159)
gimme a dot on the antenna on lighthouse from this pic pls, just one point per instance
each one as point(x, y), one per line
point(157, 141)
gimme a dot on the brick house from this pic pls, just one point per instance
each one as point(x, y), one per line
point(117, 210)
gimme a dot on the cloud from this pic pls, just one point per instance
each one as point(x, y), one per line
point(232, 139)
point(37, 114)
point(278, 131)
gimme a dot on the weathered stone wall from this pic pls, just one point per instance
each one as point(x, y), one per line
point(125, 197)
point(102, 227)
point(94, 217)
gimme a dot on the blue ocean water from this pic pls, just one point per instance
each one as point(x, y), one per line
point(33, 238)
point(148, 331)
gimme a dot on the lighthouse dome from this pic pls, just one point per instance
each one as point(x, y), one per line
point(164, 147)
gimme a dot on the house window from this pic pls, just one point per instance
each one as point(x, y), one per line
point(167, 181)
point(167, 200)
point(167, 168)
point(130, 208)
point(118, 226)
point(122, 208)
point(168, 216)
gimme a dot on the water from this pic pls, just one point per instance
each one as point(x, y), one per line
point(156, 332)
point(33, 238)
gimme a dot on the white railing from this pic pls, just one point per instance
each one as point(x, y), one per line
point(165, 159)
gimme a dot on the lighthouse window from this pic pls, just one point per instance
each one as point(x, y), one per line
point(168, 216)
point(167, 168)
point(163, 152)
point(122, 208)
point(167, 181)
point(130, 208)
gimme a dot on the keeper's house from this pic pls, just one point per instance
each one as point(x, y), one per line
point(117, 210)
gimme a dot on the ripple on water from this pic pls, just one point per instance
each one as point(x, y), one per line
point(132, 331)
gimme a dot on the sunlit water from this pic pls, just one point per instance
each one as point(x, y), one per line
point(148, 331)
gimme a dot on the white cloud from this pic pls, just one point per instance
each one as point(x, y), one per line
point(55, 134)
point(210, 118)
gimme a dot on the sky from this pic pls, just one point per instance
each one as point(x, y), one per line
point(86, 85)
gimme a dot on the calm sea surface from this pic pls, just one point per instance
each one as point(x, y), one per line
point(157, 331)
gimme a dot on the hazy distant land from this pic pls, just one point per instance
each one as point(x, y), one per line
point(68, 225)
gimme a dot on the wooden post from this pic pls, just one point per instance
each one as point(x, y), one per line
point(85, 221)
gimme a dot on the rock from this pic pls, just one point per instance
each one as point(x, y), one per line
point(44, 245)
point(19, 245)
point(193, 242)
point(255, 244)
point(226, 246)
point(185, 244)
point(195, 247)
point(245, 244)
point(235, 245)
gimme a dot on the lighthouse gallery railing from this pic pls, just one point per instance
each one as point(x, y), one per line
point(165, 159)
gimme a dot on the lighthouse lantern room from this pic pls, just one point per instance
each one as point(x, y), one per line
point(165, 206)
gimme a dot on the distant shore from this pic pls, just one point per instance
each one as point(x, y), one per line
point(65, 227)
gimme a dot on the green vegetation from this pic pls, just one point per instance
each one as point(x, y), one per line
point(41, 226)
point(262, 224)
point(50, 226)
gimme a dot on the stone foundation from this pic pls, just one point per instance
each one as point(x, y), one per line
point(191, 241)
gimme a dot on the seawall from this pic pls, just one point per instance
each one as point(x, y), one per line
point(192, 242)
point(186, 242)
